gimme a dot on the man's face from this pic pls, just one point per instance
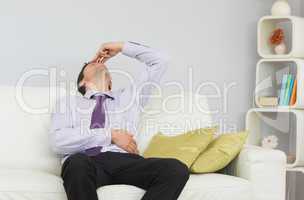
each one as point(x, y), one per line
point(98, 75)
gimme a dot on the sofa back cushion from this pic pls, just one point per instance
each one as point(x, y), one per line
point(25, 120)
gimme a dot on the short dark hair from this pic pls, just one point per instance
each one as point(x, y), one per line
point(81, 89)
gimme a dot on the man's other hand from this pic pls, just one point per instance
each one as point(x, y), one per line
point(107, 51)
point(124, 140)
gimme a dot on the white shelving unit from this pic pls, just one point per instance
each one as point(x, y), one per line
point(294, 28)
point(296, 169)
point(269, 73)
point(286, 122)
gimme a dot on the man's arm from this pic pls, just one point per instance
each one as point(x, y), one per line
point(67, 139)
point(155, 66)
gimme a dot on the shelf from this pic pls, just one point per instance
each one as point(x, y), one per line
point(277, 109)
point(295, 169)
point(286, 124)
point(269, 73)
point(293, 27)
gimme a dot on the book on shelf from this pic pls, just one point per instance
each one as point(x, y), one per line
point(283, 88)
point(268, 101)
point(294, 93)
point(288, 90)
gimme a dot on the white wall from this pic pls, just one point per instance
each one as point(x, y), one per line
point(216, 38)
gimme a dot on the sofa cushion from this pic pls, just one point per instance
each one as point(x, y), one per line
point(198, 187)
point(184, 147)
point(12, 180)
point(25, 129)
point(35, 185)
point(220, 153)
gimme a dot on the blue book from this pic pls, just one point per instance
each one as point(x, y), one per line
point(285, 103)
point(283, 88)
point(290, 90)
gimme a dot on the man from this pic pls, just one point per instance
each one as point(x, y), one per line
point(95, 134)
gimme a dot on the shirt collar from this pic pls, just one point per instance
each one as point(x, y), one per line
point(90, 92)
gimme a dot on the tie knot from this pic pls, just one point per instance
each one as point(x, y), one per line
point(99, 97)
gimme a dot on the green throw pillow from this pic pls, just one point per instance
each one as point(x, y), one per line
point(184, 147)
point(219, 153)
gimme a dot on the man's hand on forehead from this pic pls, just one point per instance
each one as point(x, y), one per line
point(100, 57)
point(107, 51)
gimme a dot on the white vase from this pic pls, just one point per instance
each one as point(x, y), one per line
point(281, 8)
point(280, 49)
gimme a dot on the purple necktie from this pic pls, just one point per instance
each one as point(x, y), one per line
point(97, 121)
point(98, 115)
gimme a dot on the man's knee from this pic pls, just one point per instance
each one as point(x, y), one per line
point(175, 169)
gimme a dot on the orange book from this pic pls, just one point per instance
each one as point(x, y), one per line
point(294, 93)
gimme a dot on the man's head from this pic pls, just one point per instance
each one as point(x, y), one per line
point(94, 76)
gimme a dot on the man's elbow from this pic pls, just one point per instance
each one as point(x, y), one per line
point(56, 147)
point(162, 62)
point(56, 150)
point(164, 58)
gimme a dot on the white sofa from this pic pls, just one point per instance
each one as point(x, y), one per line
point(30, 171)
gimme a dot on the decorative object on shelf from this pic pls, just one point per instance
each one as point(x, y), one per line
point(277, 40)
point(291, 158)
point(280, 49)
point(281, 8)
point(270, 142)
point(277, 36)
point(268, 101)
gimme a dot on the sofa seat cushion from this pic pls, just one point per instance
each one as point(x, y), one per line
point(27, 184)
point(199, 187)
point(35, 185)
point(29, 181)
point(217, 187)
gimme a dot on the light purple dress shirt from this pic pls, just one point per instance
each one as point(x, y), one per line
point(70, 129)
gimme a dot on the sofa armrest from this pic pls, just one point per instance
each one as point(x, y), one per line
point(265, 169)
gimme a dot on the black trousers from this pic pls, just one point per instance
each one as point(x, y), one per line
point(163, 179)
